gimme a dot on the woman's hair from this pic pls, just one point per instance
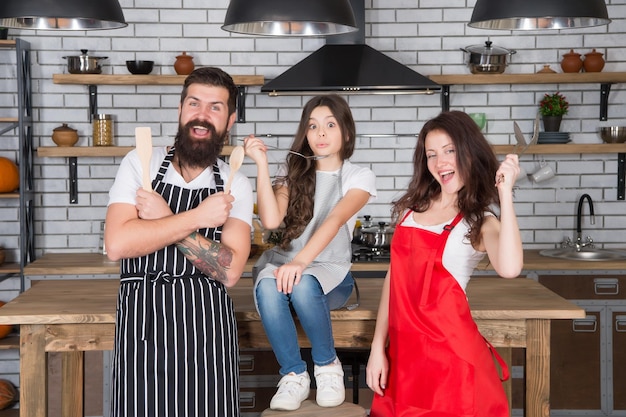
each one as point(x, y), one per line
point(475, 162)
point(300, 177)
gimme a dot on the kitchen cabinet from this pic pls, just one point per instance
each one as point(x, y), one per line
point(588, 362)
point(23, 124)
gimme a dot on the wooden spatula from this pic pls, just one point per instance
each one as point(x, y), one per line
point(143, 142)
point(235, 161)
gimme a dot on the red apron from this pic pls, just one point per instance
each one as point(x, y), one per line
point(439, 363)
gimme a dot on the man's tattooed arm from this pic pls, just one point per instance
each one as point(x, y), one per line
point(211, 258)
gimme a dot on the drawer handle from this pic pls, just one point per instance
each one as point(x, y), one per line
point(606, 286)
point(587, 325)
point(620, 324)
point(246, 363)
point(247, 400)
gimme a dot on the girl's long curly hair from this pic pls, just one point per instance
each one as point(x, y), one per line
point(476, 163)
point(300, 177)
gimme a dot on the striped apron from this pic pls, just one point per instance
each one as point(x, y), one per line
point(176, 352)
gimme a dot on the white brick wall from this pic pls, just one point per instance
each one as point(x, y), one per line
point(424, 34)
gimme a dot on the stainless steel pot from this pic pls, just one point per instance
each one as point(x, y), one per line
point(84, 64)
point(377, 236)
point(486, 58)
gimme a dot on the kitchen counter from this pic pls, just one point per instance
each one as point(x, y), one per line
point(73, 316)
point(97, 264)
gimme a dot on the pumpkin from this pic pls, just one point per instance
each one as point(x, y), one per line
point(9, 175)
point(5, 329)
point(8, 394)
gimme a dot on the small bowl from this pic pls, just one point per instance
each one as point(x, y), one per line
point(140, 67)
point(613, 134)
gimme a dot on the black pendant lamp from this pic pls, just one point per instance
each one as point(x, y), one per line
point(290, 17)
point(61, 14)
point(538, 14)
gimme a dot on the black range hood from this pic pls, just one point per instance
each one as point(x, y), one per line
point(347, 65)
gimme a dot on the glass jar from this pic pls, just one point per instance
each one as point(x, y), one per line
point(102, 130)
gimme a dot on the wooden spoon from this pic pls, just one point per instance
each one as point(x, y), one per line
point(235, 161)
point(143, 143)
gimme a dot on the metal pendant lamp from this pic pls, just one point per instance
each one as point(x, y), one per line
point(62, 14)
point(290, 17)
point(538, 14)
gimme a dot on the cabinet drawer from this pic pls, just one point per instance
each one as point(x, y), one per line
point(586, 287)
point(258, 362)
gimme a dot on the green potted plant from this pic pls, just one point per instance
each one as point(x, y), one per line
point(552, 108)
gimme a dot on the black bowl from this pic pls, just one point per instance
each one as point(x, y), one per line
point(140, 67)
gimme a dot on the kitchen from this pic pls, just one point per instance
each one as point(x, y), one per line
point(408, 31)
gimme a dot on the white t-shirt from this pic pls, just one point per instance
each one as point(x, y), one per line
point(352, 176)
point(128, 181)
point(459, 257)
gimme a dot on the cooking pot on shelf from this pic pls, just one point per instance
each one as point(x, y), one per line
point(487, 59)
point(377, 236)
point(84, 64)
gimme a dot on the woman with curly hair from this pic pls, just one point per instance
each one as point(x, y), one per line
point(317, 200)
point(427, 356)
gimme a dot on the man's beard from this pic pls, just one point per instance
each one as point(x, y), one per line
point(198, 153)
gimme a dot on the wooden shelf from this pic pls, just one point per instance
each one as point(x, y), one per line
point(6, 43)
point(108, 79)
point(12, 341)
point(10, 195)
point(9, 268)
point(567, 148)
point(557, 78)
point(94, 151)
point(8, 120)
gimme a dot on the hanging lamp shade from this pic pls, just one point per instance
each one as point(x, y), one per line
point(290, 17)
point(62, 14)
point(538, 14)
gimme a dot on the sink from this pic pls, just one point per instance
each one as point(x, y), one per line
point(585, 255)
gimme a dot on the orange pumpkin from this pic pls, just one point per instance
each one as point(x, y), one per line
point(8, 394)
point(9, 175)
point(5, 329)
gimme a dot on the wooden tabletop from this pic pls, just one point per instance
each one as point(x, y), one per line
point(94, 300)
point(97, 264)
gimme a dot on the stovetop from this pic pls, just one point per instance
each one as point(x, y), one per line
point(366, 254)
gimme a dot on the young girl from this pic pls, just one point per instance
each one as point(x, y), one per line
point(317, 199)
point(436, 362)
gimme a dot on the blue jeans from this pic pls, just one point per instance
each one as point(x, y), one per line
point(312, 307)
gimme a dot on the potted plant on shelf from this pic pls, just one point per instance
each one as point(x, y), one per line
point(552, 108)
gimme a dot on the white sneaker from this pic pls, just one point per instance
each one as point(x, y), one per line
point(330, 389)
point(292, 390)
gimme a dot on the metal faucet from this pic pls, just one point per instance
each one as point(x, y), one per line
point(579, 244)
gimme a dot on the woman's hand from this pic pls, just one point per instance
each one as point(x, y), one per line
point(507, 173)
point(377, 371)
point(288, 275)
point(255, 149)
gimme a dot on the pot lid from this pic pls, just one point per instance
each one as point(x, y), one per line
point(488, 49)
point(381, 228)
point(63, 128)
point(84, 55)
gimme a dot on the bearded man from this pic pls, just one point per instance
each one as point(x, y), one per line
point(180, 246)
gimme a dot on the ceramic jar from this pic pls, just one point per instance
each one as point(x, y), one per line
point(64, 135)
point(593, 61)
point(571, 62)
point(184, 64)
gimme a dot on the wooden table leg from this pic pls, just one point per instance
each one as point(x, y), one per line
point(72, 384)
point(506, 354)
point(538, 368)
point(33, 371)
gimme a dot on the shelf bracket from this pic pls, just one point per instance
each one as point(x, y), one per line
point(73, 180)
point(605, 89)
point(621, 176)
point(10, 127)
point(93, 101)
point(445, 97)
point(241, 104)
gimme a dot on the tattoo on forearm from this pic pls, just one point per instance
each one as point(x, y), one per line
point(211, 258)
